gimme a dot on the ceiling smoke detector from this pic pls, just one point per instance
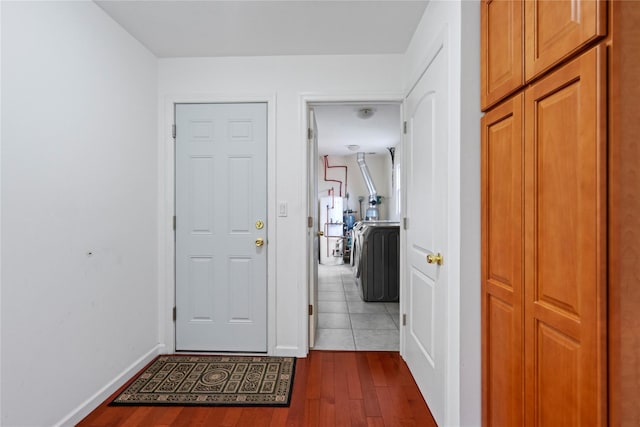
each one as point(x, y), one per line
point(353, 147)
point(365, 113)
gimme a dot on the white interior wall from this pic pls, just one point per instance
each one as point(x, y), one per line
point(461, 23)
point(470, 115)
point(288, 79)
point(1, 215)
point(79, 210)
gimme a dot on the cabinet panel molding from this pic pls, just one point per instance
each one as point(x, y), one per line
point(565, 243)
point(502, 264)
point(556, 30)
point(501, 50)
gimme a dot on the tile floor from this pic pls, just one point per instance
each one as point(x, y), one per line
point(345, 322)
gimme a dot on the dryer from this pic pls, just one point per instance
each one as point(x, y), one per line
point(376, 260)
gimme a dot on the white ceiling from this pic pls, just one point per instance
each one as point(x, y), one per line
point(340, 125)
point(188, 28)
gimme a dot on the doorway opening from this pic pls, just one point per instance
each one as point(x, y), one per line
point(355, 202)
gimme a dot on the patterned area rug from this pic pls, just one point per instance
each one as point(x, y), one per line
point(212, 381)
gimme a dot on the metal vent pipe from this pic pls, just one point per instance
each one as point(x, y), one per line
point(372, 212)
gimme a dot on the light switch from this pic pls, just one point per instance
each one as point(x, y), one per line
point(282, 209)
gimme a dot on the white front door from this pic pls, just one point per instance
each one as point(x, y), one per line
point(312, 227)
point(425, 295)
point(221, 220)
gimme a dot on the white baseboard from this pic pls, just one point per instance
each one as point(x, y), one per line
point(94, 401)
point(288, 351)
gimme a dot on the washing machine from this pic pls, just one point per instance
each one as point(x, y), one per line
point(376, 260)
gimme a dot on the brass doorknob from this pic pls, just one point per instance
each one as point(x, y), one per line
point(259, 242)
point(320, 233)
point(435, 259)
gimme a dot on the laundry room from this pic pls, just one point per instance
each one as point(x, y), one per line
point(358, 206)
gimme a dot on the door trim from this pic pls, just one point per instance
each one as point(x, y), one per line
point(306, 101)
point(166, 209)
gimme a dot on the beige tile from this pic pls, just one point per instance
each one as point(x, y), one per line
point(366, 307)
point(381, 340)
point(372, 321)
point(332, 307)
point(331, 296)
point(392, 307)
point(334, 339)
point(334, 321)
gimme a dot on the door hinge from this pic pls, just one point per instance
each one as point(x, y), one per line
point(405, 223)
point(404, 127)
point(173, 131)
point(174, 314)
point(174, 223)
point(310, 134)
point(404, 320)
point(309, 222)
point(310, 310)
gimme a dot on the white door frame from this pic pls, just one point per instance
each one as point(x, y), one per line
point(166, 209)
point(312, 236)
point(306, 100)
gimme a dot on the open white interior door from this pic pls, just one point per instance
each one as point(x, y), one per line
point(312, 226)
point(425, 275)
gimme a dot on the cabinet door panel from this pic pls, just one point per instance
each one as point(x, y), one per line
point(502, 366)
point(557, 29)
point(565, 253)
point(501, 50)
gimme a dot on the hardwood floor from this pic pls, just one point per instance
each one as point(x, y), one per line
point(331, 388)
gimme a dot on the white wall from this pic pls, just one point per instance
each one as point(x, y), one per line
point(470, 115)
point(79, 209)
point(288, 79)
point(461, 22)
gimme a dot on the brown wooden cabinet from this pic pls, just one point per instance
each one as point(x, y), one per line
point(555, 30)
point(546, 201)
point(501, 50)
point(503, 264)
point(543, 226)
point(623, 212)
point(565, 245)
point(521, 40)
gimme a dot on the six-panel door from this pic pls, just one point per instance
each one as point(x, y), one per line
point(221, 218)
